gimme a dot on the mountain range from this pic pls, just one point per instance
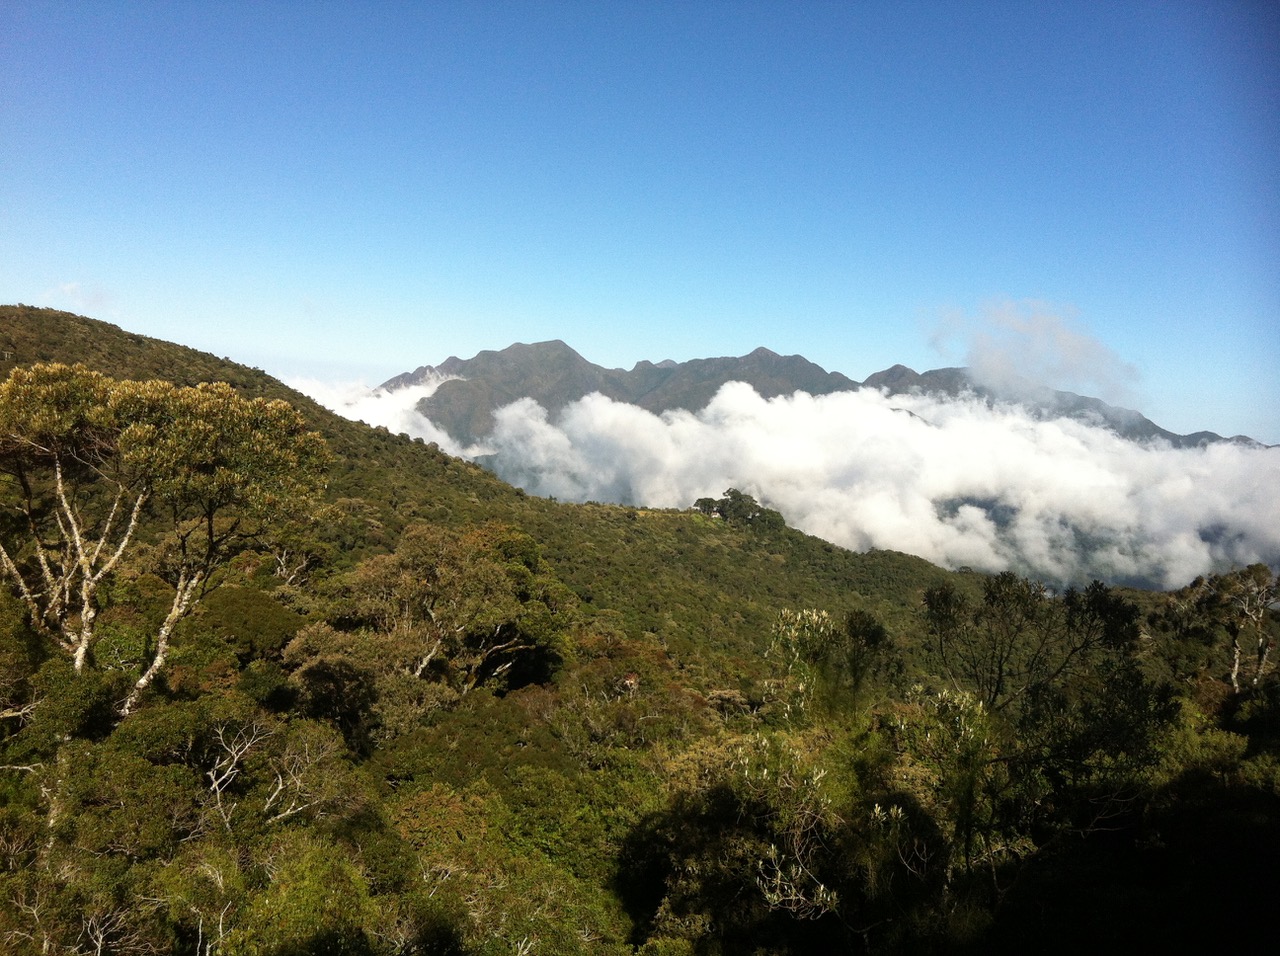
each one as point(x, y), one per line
point(554, 375)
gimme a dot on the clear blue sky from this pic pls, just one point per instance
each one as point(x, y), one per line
point(353, 190)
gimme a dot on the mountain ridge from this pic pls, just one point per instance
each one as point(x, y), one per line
point(554, 375)
point(1044, 401)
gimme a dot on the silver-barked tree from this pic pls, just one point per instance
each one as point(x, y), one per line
point(87, 460)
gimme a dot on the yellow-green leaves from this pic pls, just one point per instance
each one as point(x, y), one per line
point(206, 448)
point(55, 410)
point(89, 458)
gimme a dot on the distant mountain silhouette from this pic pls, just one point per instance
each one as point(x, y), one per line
point(1044, 402)
point(554, 375)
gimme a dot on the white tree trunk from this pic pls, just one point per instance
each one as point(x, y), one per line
point(184, 600)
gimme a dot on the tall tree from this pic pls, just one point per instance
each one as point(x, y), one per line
point(87, 458)
point(1231, 613)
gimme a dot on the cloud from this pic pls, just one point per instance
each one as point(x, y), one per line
point(1015, 344)
point(77, 297)
point(959, 482)
point(395, 410)
point(956, 482)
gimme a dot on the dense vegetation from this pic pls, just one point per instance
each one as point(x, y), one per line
point(416, 711)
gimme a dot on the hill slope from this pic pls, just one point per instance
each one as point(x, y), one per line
point(313, 775)
point(697, 584)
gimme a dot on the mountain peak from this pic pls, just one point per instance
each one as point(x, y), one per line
point(553, 374)
point(893, 377)
point(549, 347)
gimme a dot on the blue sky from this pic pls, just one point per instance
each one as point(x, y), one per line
point(352, 190)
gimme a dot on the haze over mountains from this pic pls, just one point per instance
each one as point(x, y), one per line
point(959, 471)
point(470, 391)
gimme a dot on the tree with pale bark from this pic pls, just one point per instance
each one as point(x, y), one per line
point(422, 627)
point(1232, 616)
point(90, 465)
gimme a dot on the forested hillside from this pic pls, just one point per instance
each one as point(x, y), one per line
point(273, 682)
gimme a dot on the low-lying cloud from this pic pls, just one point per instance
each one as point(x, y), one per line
point(1013, 346)
point(959, 482)
point(395, 410)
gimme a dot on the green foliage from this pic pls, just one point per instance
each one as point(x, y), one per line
point(435, 715)
point(739, 508)
point(467, 609)
point(1224, 627)
point(768, 844)
point(69, 706)
point(87, 456)
point(315, 902)
point(514, 897)
point(824, 664)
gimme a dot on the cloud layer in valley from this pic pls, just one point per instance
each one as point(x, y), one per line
point(958, 482)
point(395, 410)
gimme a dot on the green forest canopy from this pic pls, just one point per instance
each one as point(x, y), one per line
point(416, 711)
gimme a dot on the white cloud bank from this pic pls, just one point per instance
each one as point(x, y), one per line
point(394, 410)
point(954, 481)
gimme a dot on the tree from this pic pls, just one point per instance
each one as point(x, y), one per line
point(59, 434)
point(1073, 718)
point(1248, 595)
point(1224, 609)
point(747, 856)
point(1021, 640)
point(739, 508)
point(463, 609)
point(823, 660)
point(89, 460)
